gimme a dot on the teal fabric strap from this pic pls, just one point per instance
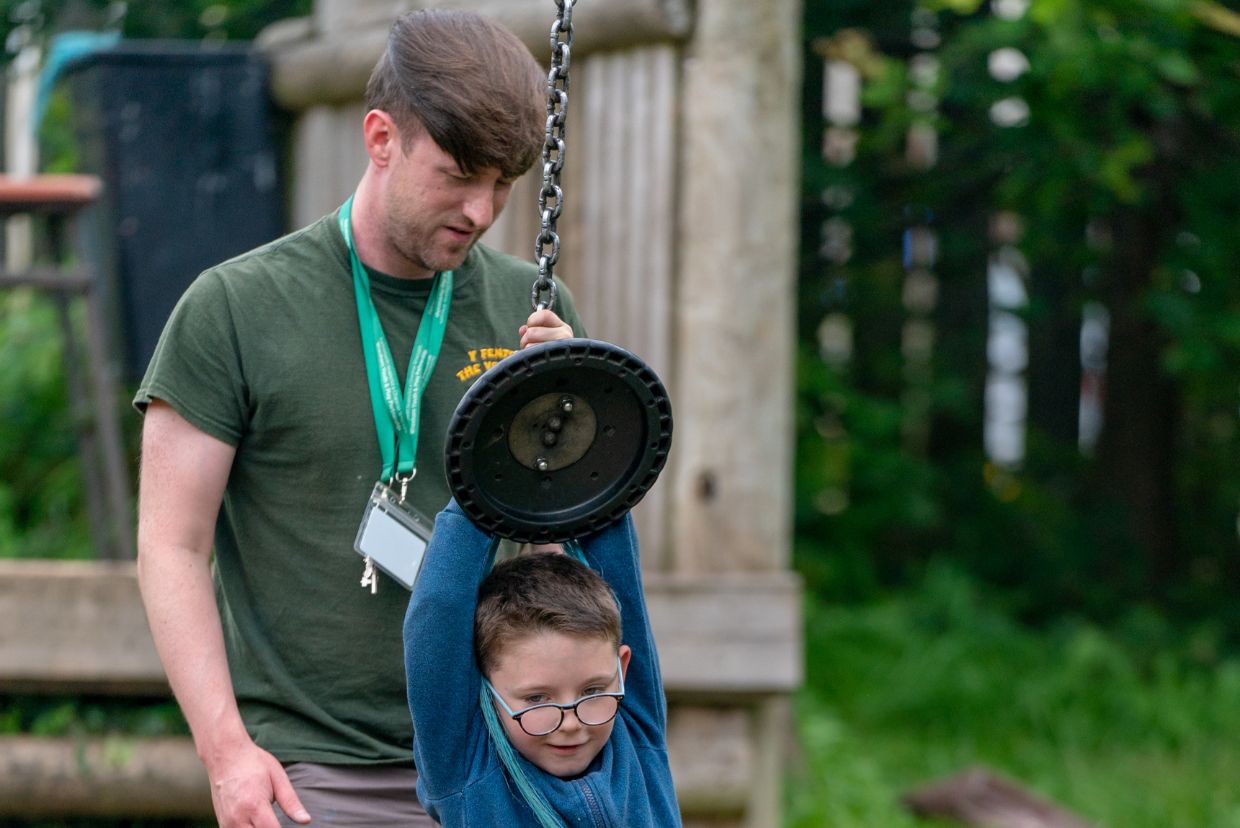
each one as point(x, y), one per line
point(573, 549)
point(543, 812)
point(396, 411)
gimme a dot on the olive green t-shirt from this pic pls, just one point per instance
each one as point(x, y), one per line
point(264, 353)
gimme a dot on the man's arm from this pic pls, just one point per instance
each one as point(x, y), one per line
point(184, 472)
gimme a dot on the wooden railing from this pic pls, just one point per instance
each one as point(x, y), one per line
point(79, 628)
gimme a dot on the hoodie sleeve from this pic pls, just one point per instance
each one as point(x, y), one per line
point(443, 680)
point(613, 553)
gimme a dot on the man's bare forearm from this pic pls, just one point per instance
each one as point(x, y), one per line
point(185, 623)
point(184, 473)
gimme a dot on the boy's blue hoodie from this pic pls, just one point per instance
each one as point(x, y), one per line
point(461, 781)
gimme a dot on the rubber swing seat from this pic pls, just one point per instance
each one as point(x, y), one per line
point(558, 440)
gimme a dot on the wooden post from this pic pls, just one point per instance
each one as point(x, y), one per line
point(78, 400)
point(735, 320)
point(349, 35)
point(103, 372)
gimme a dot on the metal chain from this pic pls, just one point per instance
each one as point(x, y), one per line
point(551, 196)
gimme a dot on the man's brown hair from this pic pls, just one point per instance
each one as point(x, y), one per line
point(538, 593)
point(466, 81)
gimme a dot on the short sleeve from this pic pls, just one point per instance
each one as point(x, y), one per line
point(197, 365)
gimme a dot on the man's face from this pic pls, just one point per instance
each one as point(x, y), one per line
point(435, 212)
point(554, 667)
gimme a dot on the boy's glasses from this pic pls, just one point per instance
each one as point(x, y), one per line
point(542, 719)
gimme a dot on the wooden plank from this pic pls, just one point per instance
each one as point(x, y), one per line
point(76, 627)
point(709, 750)
point(115, 776)
point(618, 226)
point(725, 635)
point(47, 193)
point(656, 205)
point(773, 732)
point(50, 279)
point(334, 64)
point(650, 241)
point(658, 18)
point(80, 627)
point(734, 318)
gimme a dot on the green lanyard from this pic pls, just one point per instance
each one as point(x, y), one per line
point(396, 413)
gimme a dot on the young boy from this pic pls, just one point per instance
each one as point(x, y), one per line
point(541, 639)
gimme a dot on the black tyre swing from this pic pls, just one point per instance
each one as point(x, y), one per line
point(561, 438)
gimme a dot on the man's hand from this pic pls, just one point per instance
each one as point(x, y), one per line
point(543, 326)
point(244, 785)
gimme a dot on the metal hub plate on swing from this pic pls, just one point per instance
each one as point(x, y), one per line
point(558, 440)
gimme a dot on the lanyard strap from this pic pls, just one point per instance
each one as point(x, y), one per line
point(396, 412)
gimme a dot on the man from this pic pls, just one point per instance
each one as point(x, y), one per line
point(267, 424)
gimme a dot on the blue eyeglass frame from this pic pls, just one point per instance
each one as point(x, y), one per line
point(564, 708)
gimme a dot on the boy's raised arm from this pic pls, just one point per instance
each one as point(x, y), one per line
point(613, 553)
point(443, 679)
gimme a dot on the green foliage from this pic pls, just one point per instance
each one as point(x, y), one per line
point(1123, 178)
point(24, 20)
point(1123, 727)
point(40, 477)
point(1027, 619)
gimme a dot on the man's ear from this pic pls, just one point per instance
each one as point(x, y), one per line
point(625, 652)
point(380, 136)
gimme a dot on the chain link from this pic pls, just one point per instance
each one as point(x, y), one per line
point(551, 196)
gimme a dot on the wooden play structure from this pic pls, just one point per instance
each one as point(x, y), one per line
point(680, 233)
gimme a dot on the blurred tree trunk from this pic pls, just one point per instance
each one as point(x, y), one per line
point(1054, 372)
point(1136, 451)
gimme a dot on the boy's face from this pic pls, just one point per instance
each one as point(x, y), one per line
point(554, 667)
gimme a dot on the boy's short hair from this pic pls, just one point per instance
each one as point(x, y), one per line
point(537, 593)
point(466, 81)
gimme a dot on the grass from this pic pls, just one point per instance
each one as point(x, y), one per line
point(1131, 727)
